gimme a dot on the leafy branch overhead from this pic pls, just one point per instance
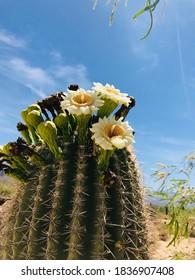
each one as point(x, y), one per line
point(150, 6)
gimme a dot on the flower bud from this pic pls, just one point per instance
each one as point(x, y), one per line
point(24, 114)
point(34, 118)
point(32, 130)
point(33, 107)
point(18, 161)
point(23, 129)
point(5, 149)
point(61, 121)
point(48, 132)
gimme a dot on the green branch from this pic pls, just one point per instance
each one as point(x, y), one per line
point(149, 7)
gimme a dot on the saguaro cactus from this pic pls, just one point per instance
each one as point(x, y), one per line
point(80, 194)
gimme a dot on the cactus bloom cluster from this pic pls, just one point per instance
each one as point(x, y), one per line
point(80, 195)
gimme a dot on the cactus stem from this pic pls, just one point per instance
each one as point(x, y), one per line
point(100, 221)
point(82, 128)
point(8, 234)
point(59, 220)
point(41, 200)
point(77, 226)
point(134, 217)
point(104, 158)
point(21, 225)
point(108, 107)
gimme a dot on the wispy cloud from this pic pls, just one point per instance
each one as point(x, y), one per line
point(40, 80)
point(166, 155)
point(168, 139)
point(22, 72)
point(56, 55)
point(37, 80)
point(9, 130)
point(177, 141)
point(167, 149)
point(142, 52)
point(21, 68)
point(37, 91)
point(72, 74)
point(11, 40)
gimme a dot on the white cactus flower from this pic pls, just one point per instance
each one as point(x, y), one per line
point(81, 102)
point(111, 133)
point(110, 92)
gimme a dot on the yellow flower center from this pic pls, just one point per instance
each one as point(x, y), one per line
point(112, 90)
point(82, 100)
point(110, 131)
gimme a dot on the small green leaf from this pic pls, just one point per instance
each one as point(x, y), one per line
point(147, 8)
point(176, 230)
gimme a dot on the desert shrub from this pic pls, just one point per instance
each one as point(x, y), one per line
point(177, 192)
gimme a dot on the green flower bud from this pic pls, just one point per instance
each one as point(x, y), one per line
point(32, 130)
point(27, 136)
point(23, 129)
point(62, 122)
point(5, 149)
point(24, 116)
point(34, 118)
point(34, 107)
point(48, 132)
point(17, 159)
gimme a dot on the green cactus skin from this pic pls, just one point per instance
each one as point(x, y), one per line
point(66, 212)
point(42, 200)
point(70, 209)
point(15, 238)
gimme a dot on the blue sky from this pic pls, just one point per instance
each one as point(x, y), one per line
point(47, 45)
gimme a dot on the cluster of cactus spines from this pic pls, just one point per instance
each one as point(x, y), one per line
point(76, 200)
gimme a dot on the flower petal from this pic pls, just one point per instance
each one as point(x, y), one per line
point(112, 133)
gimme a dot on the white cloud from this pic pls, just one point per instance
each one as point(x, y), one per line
point(142, 52)
point(73, 74)
point(166, 149)
point(165, 155)
point(168, 139)
point(177, 141)
point(21, 69)
point(11, 40)
point(41, 81)
point(8, 130)
point(34, 78)
point(37, 91)
point(56, 55)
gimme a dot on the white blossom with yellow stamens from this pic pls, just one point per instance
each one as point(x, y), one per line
point(111, 133)
point(110, 92)
point(81, 102)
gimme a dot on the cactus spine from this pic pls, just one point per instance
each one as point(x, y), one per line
point(80, 197)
